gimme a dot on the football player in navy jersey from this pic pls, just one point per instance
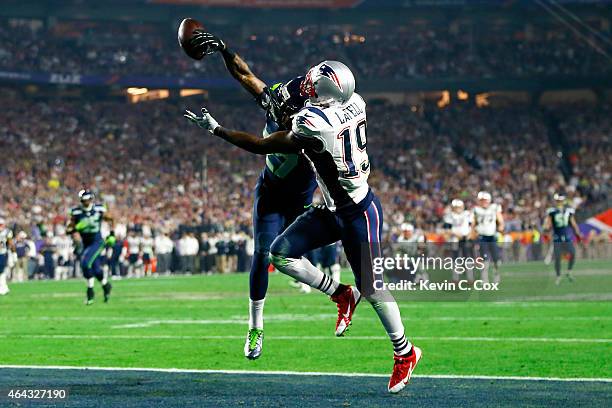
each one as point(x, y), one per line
point(561, 219)
point(86, 219)
point(331, 132)
point(285, 186)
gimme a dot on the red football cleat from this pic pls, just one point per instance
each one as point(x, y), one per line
point(346, 301)
point(402, 369)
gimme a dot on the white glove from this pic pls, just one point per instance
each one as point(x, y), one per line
point(206, 121)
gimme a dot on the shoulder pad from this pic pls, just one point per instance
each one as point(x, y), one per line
point(550, 210)
point(76, 211)
point(100, 207)
point(310, 121)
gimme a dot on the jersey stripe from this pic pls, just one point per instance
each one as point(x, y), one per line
point(320, 113)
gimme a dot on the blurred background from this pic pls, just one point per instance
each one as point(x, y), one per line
point(512, 97)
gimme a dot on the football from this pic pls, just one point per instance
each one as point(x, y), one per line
point(185, 34)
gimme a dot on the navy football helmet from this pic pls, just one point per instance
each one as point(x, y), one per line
point(285, 100)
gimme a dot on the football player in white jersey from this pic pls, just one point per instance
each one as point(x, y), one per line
point(6, 246)
point(147, 243)
point(64, 252)
point(486, 223)
point(331, 132)
point(458, 226)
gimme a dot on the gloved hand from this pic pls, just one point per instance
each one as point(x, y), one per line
point(207, 43)
point(206, 121)
point(81, 225)
point(110, 239)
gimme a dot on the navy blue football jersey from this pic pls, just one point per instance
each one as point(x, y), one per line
point(560, 220)
point(88, 223)
point(290, 174)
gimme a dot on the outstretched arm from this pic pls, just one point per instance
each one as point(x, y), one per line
point(208, 43)
point(278, 142)
point(240, 70)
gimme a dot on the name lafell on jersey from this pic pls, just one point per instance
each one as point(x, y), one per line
point(349, 112)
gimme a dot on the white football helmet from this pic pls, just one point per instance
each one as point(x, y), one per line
point(458, 204)
point(328, 82)
point(483, 195)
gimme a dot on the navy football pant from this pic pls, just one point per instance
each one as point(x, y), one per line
point(488, 248)
point(560, 247)
point(91, 261)
point(360, 236)
point(270, 217)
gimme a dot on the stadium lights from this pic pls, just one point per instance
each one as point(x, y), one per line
point(190, 92)
point(462, 95)
point(137, 91)
point(444, 100)
point(136, 95)
point(482, 100)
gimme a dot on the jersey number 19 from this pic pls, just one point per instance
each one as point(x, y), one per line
point(354, 137)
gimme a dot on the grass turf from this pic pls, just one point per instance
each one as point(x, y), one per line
point(530, 328)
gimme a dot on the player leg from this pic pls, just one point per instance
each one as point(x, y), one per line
point(329, 261)
point(571, 250)
point(557, 254)
point(485, 253)
point(267, 224)
point(495, 257)
point(87, 258)
point(315, 228)
point(100, 270)
point(4, 290)
point(362, 243)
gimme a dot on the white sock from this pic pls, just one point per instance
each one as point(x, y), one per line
point(3, 280)
point(389, 315)
point(335, 272)
point(256, 309)
point(305, 272)
point(90, 282)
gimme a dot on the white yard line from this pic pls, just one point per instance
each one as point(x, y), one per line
point(303, 338)
point(317, 317)
point(305, 373)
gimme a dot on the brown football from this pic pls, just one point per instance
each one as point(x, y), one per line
point(185, 34)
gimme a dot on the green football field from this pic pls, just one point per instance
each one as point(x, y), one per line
point(533, 328)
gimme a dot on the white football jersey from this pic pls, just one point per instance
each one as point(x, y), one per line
point(339, 157)
point(63, 245)
point(486, 219)
point(5, 235)
point(133, 245)
point(460, 223)
point(147, 245)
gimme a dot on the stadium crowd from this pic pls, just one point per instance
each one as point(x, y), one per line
point(158, 175)
point(459, 49)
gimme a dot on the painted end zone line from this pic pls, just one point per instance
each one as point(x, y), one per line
point(304, 373)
